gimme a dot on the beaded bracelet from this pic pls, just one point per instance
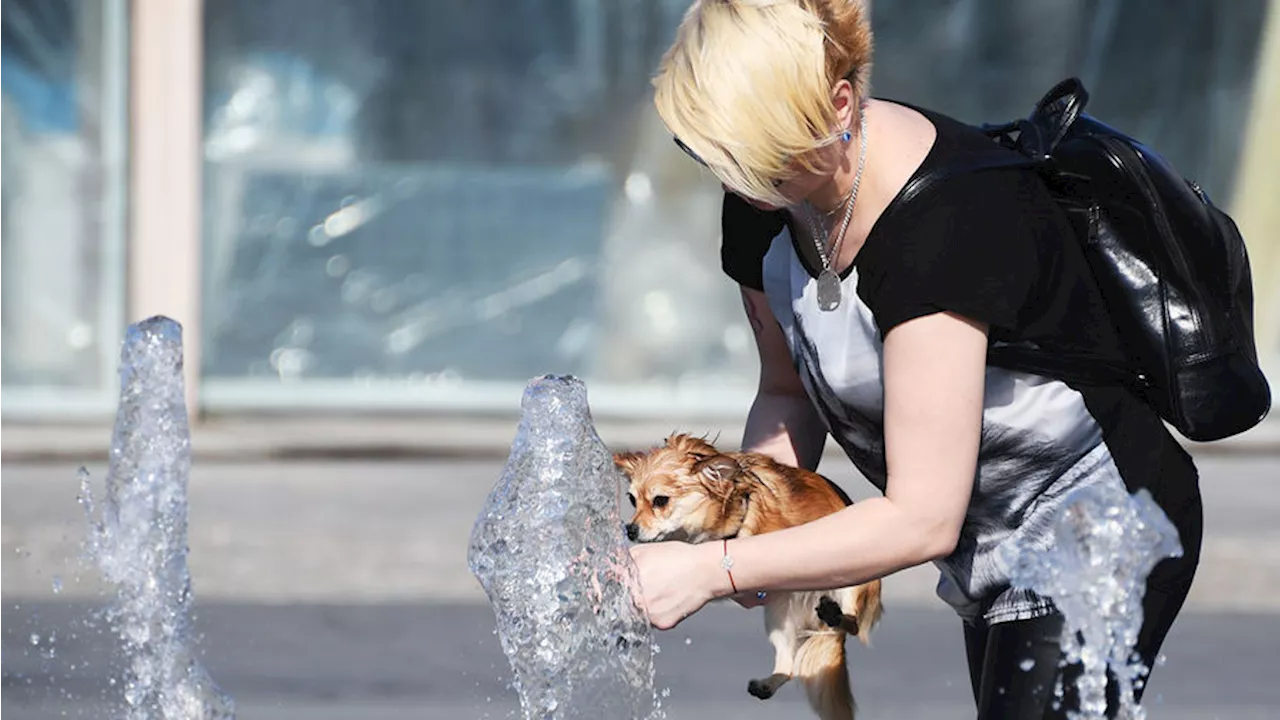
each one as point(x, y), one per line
point(727, 563)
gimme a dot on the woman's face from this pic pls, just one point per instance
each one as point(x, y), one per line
point(800, 182)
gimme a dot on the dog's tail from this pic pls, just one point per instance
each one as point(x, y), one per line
point(820, 667)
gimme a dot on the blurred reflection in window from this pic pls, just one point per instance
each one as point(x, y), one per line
point(441, 197)
point(432, 192)
point(63, 203)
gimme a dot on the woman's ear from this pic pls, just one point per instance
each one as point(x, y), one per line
point(845, 100)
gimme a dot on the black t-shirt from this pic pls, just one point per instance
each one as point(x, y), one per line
point(992, 246)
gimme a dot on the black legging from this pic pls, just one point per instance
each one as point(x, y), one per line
point(997, 653)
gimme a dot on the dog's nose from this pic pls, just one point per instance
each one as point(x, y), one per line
point(633, 531)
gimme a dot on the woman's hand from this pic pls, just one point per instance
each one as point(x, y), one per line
point(676, 580)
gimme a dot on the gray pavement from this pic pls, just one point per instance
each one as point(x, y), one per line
point(322, 435)
point(369, 531)
point(339, 590)
point(441, 660)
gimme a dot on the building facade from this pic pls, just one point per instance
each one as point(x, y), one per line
point(417, 205)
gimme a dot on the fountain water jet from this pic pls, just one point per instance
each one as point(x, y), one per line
point(1105, 544)
point(140, 542)
point(550, 552)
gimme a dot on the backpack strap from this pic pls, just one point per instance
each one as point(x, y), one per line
point(926, 180)
point(1037, 136)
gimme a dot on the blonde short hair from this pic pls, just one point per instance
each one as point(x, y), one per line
point(746, 85)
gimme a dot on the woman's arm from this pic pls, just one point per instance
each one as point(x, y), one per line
point(934, 383)
point(782, 422)
point(934, 379)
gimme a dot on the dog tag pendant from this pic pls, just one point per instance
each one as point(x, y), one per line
point(828, 290)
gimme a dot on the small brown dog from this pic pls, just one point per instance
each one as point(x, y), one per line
point(688, 490)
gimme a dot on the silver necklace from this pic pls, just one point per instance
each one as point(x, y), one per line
point(828, 280)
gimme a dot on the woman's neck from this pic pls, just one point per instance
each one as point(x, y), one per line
point(831, 195)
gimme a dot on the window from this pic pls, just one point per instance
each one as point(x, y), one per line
point(429, 203)
point(64, 204)
point(424, 204)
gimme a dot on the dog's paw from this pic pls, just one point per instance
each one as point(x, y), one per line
point(762, 689)
point(766, 688)
point(829, 612)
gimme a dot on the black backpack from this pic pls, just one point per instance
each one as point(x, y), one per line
point(1171, 266)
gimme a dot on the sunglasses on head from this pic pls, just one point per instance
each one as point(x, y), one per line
point(689, 151)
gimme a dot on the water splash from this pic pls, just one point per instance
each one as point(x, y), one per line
point(140, 542)
point(1106, 543)
point(549, 550)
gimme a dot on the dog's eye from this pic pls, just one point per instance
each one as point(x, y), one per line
point(660, 501)
point(632, 498)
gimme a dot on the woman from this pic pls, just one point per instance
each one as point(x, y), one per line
point(873, 317)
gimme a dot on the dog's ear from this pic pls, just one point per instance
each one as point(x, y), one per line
point(626, 461)
point(718, 469)
point(719, 475)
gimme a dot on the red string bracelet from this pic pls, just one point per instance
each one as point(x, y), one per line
point(727, 563)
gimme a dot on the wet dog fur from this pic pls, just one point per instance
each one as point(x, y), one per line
point(688, 490)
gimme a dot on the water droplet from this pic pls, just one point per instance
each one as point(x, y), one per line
point(337, 266)
point(317, 236)
point(57, 584)
point(638, 188)
point(1027, 664)
point(35, 638)
point(688, 641)
point(1161, 659)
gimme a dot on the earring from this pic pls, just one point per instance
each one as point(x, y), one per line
point(846, 136)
